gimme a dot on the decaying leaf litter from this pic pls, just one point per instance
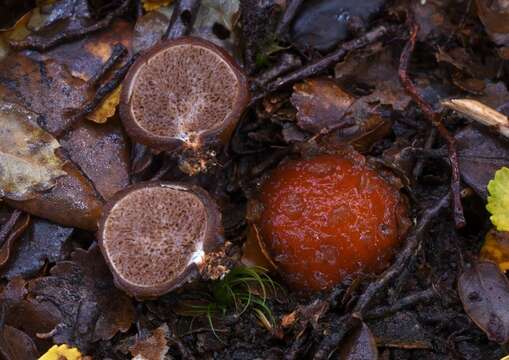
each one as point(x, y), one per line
point(418, 88)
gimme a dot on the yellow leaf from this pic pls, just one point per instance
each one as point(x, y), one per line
point(498, 200)
point(496, 248)
point(150, 5)
point(107, 107)
point(62, 352)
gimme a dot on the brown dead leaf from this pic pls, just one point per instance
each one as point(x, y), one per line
point(81, 294)
point(28, 163)
point(359, 345)
point(495, 17)
point(102, 153)
point(42, 242)
point(481, 154)
point(153, 347)
point(46, 88)
point(321, 104)
point(149, 29)
point(73, 201)
point(15, 344)
point(496, 248)
point(484, 292)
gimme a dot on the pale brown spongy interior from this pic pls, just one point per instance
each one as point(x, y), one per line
point(150, 234)
point(183, 90)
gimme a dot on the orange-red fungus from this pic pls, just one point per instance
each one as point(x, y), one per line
point(329, 216)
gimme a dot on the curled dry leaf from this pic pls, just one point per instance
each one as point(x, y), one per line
point(484, 292)
point(496, 248)
point(81, 294)
point(41, 242)
point(28, 163)
point(360, 345)
point(477, 111)
point(153, 347)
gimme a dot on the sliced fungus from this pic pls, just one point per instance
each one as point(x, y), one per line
point(152, 234)
point(179, 91)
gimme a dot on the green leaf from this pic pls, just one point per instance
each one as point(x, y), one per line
point(498, 200)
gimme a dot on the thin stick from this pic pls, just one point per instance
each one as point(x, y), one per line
point(288, 16)
point(403, 303)
point(117, 53)
point(182, 19)
point(434, 118)
point(319, 66)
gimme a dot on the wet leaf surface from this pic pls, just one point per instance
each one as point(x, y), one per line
point(102, 153)
point(81, 294)
point(481, 155)
point(42, 242)
point(322, 24)
point(484, 292)
point(152, 347)
point(360, 345)
point(28, 163)
point(73, 201)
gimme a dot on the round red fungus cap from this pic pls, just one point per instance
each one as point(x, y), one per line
point(329, 216)
point(185, 91)
point(153, 235)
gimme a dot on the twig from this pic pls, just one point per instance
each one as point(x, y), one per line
point(286, 62)
point(288, 16)
point(117, 53)
point(319, 66)
point(38, 41)
point(403, 303)
point(9, 225)
point(101, 93)
point(182, 19)
point(434, 118)
point(412, 246)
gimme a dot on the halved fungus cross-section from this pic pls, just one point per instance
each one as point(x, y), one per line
point(187, 91)
point(152, 235)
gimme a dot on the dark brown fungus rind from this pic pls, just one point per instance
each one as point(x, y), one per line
point(212, 240)
point(220, 134)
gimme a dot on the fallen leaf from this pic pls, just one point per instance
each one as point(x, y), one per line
point(82, 294)
point(73, 201)
point(62, 352)
point(153, 347)
point(42, 242)
point(321, 104)
point(43, 87)
point(107, 107)
point(15, 344)
point(102, 153)
point(28, 163)
point(359, 345)
point(484, 292)
point(498, 200)
point(496, 248)
point(481, 154)
point(15, 227)
point(150, 5)
point(495, 17)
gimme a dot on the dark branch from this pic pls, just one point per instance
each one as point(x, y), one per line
point(288, 16)
point(117, 53)
point(434, 118)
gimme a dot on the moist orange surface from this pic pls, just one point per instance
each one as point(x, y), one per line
point(327, 217)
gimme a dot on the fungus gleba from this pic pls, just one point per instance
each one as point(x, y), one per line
point(327, 216)
point(185, 93)
point(155, 236)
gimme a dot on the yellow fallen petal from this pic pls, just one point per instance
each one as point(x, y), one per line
point(107, 107)
point(150, 5)
point(61, 352)
point(496, 248)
